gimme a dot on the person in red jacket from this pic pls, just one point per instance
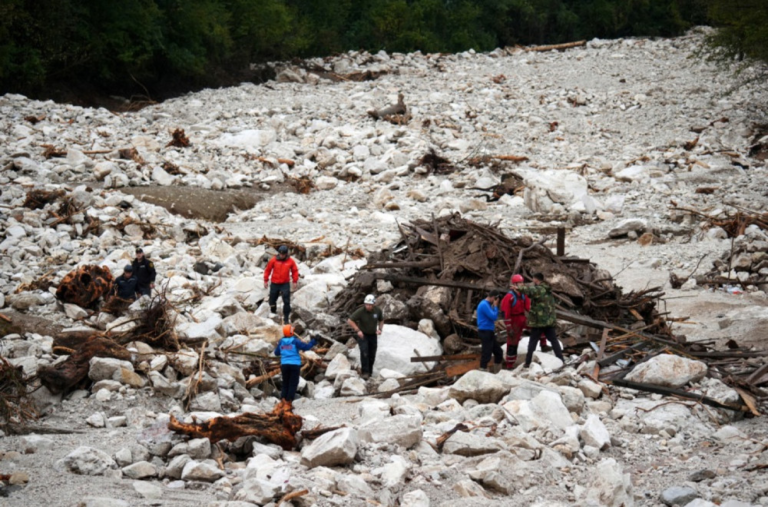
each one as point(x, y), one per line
point(282, 268)
point(515, 307)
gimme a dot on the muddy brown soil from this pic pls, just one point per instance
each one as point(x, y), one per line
point(201, 203)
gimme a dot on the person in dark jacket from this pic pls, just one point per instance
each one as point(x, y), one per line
point(125, 286)
point(144, 271)
point(281, 268)
point(290, 361)
point(487, 313)
point(542, 317)
point(368, 323)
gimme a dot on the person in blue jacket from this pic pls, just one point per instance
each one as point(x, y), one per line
point(487, 313)
point(290, 361)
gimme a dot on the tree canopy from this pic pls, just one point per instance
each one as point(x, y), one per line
point(119, 45)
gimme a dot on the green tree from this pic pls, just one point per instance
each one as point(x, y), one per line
point(742, 29)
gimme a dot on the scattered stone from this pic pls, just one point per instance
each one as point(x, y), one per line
point(205, 471)
point(140, 470)
point(148, 490)
point(678, 495)
point(88, 461)
point(480, 386)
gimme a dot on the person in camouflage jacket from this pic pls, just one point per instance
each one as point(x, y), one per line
point(541, 317)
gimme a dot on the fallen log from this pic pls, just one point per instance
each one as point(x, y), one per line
point(667, 391)
point(63, 377)
point(557, 47)
point(278, 427)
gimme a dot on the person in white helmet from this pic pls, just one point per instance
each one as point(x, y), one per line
point(367, 322)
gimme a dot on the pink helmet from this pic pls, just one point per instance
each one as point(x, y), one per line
point(516, 279)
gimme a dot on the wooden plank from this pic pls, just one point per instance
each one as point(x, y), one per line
point(455, 357)
point(600, 353)
point(561, 241)
point(749, 401)
point(666, 391)
point(462, 368)
point(755, 377)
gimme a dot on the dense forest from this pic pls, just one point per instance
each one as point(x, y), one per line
point(167, 46)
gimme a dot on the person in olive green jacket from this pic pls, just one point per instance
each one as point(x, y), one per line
point(541, 317)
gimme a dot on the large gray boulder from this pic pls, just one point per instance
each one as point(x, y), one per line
point(338, 447)
point(480, 386)
point(668, 370)
point(396, 346)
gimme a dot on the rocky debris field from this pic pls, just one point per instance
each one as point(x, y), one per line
point(627, 143)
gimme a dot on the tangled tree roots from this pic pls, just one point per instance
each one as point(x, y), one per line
point(15, 405)
point(278, 427)
point(155, 325)
point(85, 285)
point(64, 376)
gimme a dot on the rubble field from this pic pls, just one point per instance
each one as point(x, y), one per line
point(629, 172)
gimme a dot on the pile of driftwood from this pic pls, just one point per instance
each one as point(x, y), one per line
point(442, 268)
point(745, 263)
point(452, 262)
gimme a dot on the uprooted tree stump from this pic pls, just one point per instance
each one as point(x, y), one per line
point(278, 427)
point(64, 376)
point(85, 285)
point(15, 404)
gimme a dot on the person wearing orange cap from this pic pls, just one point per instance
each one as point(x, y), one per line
point(515, 307)
point(290, 361)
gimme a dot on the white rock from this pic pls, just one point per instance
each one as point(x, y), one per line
point(590, 389)
point(668, 370)
point(247, 139)
point(88, 461)
point(338, 447)
point(610, 486)
point(326, 182)
point(148, 490)
point(415, 498)
point(353, 386)
point(140, 470)
point(633, 173)
point(36, 443)
point(480, 386)
point(124, 457)
point(205, 471)
point(160, 176)
point(107, 368)
point(257, 491)
point(74, 312)
point(593, 432)
point(208, 330)
point(97, 420)
point(404, 430)
point(637, 225)
point(339, 365)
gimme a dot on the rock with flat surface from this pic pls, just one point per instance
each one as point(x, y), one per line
point(678, 495)
point(338, 447)
point(257, 491)
point(480, 386)
point(415, 498)
point(668, 370)
point(204, 471)
point(140, 470)
point(107, 368)
point(404, 430)
point(610, 486)
point(88, 461)
point(637, 225)
point(470, 444)
point(148, 490)
point(593, 432)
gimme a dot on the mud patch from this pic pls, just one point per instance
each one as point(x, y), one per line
point(201, 203)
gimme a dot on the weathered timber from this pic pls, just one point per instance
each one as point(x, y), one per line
point(667, 391)
point(278, 427)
